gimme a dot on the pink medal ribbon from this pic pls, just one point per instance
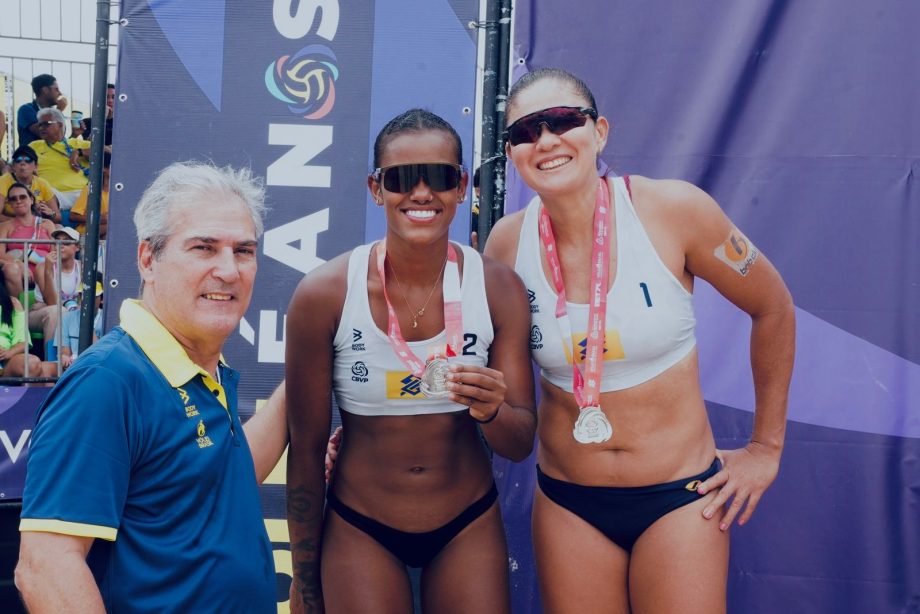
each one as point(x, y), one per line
point(433, 372)
point(592, 425)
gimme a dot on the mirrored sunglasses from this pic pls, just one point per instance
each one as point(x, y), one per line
point(402, 178)
point(557, 120)
point(23, 159)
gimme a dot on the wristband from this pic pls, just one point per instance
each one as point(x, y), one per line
point(487, 420)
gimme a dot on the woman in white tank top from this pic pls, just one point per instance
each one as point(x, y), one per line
point(412, 484)
point(627, 514)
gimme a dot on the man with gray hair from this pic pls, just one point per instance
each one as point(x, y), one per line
point(140, 447)
point(62, 162)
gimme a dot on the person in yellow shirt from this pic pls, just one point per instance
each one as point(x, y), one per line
point(78, 212)
point(24, 163)
point(64, 163)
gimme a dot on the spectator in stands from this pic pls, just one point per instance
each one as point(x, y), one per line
point(43, 313)
point(47, 94)
point(78, 212)
point(24, 165)
point(109, 118)
point(24, 225)
point(3, 164)
point(64, 163)
point(77, 127)
point(13, 338)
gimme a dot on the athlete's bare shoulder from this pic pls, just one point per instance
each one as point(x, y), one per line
point(503, 239)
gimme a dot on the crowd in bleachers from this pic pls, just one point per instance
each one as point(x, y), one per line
point(44, 188)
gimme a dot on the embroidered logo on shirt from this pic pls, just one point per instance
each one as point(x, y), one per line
point(359, 372)
point(190, 410)
point(203, 440)
point(532, 297)
point(536, 338)
point(356, 336)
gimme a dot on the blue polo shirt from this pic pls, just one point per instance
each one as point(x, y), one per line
point(141, 448)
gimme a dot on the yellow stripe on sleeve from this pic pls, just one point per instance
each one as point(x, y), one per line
point(45, 525)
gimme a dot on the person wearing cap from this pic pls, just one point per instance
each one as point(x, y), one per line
point(78, 211)
point(47, 94)
point(23, 167)
point(64, 163)
point(43, 314)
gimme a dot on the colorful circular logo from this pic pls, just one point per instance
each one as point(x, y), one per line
point(305, 81)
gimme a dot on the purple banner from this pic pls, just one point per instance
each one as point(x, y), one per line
point(801, 120)
point(18, 407)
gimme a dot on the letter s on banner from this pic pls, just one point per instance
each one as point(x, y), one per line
point(298, 25)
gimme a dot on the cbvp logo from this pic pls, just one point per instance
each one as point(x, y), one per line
point(359, 372)
point(305, 81)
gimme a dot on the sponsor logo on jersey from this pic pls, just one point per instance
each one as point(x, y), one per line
point(403, 385)
point(203, 440)
point(359, 372)
point(356, 336)
point(613, 347)
point(532, 297)
point(190, 410)
point(536, 338)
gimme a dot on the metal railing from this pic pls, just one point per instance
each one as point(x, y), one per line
point(59, 332)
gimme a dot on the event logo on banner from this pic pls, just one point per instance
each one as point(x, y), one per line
point(305, 81)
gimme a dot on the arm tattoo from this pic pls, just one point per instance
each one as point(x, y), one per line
point(305, 507)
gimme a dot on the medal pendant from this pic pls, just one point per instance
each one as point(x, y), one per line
point(592, 426)
point(434, 379)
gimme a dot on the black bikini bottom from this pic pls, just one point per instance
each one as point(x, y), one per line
point(623, 514)
point(413, 549)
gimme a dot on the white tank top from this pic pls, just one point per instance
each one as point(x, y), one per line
point(650, 321)
point(368, 377)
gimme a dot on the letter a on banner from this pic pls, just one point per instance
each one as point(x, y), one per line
point(279, 242)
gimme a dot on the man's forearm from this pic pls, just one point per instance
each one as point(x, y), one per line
point(267, 433)
point(64, 584)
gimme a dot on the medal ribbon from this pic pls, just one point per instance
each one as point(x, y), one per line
point(586, 387)
point(453, 313)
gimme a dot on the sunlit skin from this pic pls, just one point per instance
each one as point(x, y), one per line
point(201, 283)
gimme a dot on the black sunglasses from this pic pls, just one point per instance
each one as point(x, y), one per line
point(23, 159)
point(557, 120)
point(402, 178)
point(16, 199)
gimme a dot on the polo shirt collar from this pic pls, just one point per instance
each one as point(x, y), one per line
point(159, 345)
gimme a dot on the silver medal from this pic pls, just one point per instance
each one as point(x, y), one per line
point(434, 379)
point(592, 426)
